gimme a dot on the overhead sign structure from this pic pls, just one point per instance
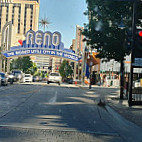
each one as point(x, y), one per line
point(6, 36)
point(39, 43)
point(5, 46)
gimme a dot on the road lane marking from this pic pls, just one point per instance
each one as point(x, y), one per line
point(53, 100)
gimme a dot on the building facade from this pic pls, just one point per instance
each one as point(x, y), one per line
point(24, 15)
point(42, 62)
point(78, 46)
point(56, 63)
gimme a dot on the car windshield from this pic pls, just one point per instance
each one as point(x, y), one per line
point(27, 75)
point(16, 72)
point(2, 75)
point(54, 74)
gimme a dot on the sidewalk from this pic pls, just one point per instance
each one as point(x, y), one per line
point(133, 113)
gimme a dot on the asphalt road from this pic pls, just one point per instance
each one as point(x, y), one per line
point(52, 113)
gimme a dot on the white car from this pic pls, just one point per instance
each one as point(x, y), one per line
point(28, 78)
point(54, 78)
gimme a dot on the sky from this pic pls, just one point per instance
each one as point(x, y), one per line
point(63, 16)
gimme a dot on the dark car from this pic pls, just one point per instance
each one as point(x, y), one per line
point(4, 79)
point(68, 80)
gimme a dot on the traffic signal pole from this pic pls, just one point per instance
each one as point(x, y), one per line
point(132, 50)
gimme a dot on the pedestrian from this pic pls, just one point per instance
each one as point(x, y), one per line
point(104, 80)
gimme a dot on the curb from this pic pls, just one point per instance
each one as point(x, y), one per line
point(123, 112)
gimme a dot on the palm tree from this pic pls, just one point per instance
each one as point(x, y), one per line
point(43, 22)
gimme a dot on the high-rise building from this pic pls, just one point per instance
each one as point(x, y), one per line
point(24, 15)
point(56, 63)
point(42, 62)
point(79, 44)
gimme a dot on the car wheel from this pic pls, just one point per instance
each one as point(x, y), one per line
point(11, 82)
point(48, 82)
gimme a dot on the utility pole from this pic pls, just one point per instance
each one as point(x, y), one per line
point(83, 66)
point(133, 46)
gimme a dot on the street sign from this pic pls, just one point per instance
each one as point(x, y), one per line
point(137, 62)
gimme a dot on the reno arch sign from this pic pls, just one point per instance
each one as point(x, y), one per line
point(42, 43)
point(40, 39)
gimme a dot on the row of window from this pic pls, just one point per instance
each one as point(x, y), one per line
point(19, 15)
point(6, 1)
point(31, 18)
point(11, 1)
point(32, 0)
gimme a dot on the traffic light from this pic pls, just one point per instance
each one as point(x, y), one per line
point(140, 39)
point(138, 46)
point(140, 33)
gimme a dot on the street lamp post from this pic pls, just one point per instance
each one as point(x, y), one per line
point(83, 66)
point(90, 63)
point(90, 77)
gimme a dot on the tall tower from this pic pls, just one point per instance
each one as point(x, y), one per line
point(79, 45)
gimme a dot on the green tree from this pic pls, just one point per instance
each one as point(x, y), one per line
point(65, 69)
point(37, 73)
point(22, 63)
point(103, 32)
point(43, 22)
point(32, 69)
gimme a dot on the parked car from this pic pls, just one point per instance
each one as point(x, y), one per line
point(28, 78)
point(4, 79)
point(68, 80)
point(54, 78)
point(18, 75)
point(37, 79)
point(10, 77)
